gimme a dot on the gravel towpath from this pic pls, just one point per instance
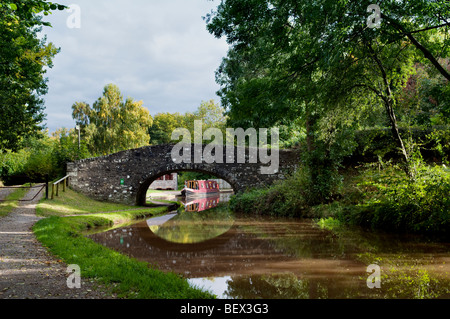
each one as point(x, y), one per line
point(27, 270)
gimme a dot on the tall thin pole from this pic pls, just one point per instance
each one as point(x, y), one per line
point(79, 136)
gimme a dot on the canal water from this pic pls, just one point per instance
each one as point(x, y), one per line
point(242, 257)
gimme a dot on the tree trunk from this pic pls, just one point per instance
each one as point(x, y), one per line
point(309, 138)
point(388, 100)
point(396, 134)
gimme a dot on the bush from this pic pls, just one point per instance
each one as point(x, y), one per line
point(398, 204)
point(287, 198)
point(13, 165)
point(41, 158)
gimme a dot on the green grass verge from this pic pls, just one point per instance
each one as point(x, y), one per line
point(12, 201)
point(127, 277)
point(73, 203)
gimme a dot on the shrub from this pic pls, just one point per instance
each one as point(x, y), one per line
point(13, 164)
point(421, 205)
point(286, 198)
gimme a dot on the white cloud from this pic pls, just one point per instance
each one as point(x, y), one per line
point(158, 51)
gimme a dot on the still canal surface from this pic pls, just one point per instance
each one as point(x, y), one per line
point(241, 257)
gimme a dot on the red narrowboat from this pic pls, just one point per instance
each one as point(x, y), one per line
point(200, 188)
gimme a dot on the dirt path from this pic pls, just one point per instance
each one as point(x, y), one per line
point(4, 192)
point(27, 270)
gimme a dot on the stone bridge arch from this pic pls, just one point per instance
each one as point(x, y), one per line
point(124, 177)
point(151, 176)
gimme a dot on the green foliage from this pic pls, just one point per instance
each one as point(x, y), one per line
point(441, 140)
point(420, 206)
point(425, 100)
point(389, 200)
point(285, 198)
point(375, 144)
point(383, 198)
point(24, 58)
point(66, 149)
point(27, 10)
point(315, 62)
point(13, 163)
point(41, 157)
point(40, 162)
point(164, 124)
point(291, 135)
point(112, 124)
point(33, 162)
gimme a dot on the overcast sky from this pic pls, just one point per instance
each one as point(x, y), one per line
point(157, 51)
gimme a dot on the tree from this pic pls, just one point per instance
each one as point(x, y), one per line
point(112, 124)
point(309, 59)
point(27, 10)
point(23, 59)
point(163, 126)
point(210, 113)
point(66, 149)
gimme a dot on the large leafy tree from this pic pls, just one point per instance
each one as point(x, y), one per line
point(112, 124)
point(314, 59)
point(23, 60)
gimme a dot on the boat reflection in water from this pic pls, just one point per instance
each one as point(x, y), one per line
point(199, 204)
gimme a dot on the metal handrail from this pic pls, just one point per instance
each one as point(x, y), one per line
point(61, 180)
point(64, 182)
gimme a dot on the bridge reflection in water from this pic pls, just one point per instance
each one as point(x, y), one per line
point(243, 257)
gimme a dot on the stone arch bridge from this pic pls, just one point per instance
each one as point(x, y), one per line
point(124, 177)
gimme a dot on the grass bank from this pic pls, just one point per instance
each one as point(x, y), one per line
point(73, 203)
point(127, 277)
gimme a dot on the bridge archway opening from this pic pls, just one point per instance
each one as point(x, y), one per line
point(173, 181)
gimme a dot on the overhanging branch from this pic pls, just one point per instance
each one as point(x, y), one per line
point(428, 55)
